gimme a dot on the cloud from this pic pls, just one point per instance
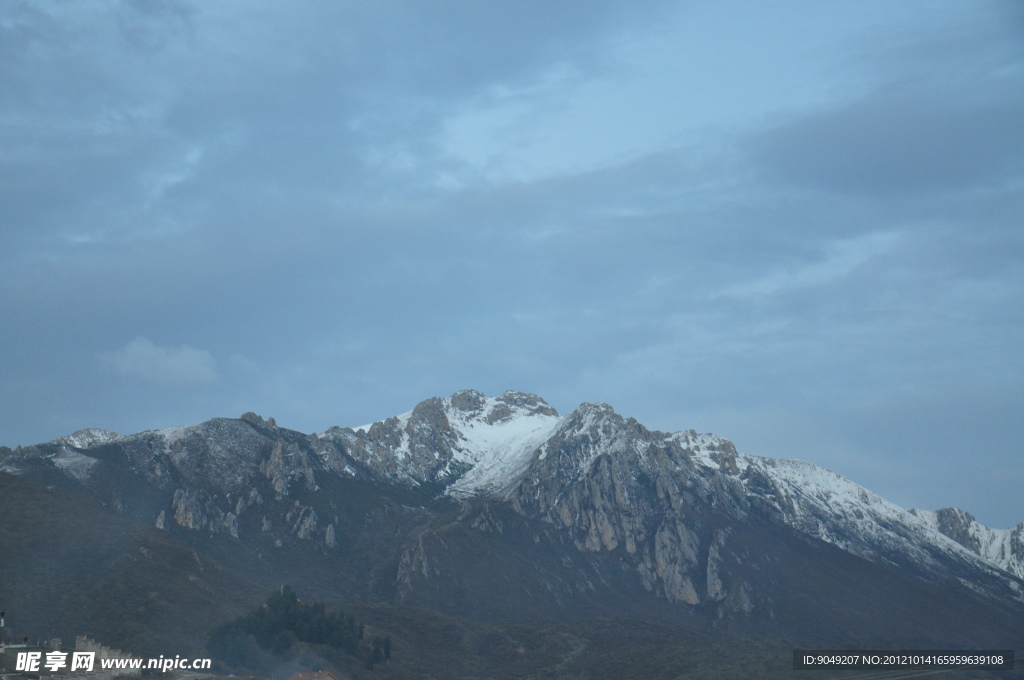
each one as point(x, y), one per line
point(840, 260)
point(144, 360)
point(958, 127)
point(678, 210)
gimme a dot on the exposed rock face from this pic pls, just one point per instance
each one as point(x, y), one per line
point(303, 520)
point(188, 511)
point(196, 511)
point(668, 565)
point(257, 420)
point(287, 463)
point(716, 591)
point(204, 478)
point(614, 485)
point(415, 447)
point(415, 562)
point(958, 525)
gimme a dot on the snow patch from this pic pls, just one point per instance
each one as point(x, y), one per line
point(999, 547)
point(172, 434)
point(499, 449)
point(403, 420)
point(90, 436)
point(74, 463)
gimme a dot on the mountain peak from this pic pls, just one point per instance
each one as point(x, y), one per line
point(529, 402)
point(90, 436)
point(479, 443)
point(509, 404)
point(592, 417)
point(256, 419)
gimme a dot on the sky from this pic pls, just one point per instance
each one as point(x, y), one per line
point(798, 225)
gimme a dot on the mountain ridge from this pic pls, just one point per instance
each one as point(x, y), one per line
point(459, 439)
point(499, 506)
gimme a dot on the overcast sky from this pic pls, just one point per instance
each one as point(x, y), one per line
point(798, 225)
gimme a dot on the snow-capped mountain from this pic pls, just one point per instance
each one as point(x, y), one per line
point(490, 445)
point(498, 504)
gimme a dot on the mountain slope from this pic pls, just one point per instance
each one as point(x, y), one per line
point(73, 567)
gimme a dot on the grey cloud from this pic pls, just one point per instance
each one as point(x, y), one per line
point(175, 366)
point(941, 112)
point(103, 102)
point(896, 142)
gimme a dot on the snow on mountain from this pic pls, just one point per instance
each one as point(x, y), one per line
point(65, 453)
point(832, 508)
point(497, 437)
point(482, 443)
point(1002, 547)
point(74, 463)
point(90, 436)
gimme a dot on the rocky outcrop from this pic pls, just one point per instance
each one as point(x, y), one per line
point(715, 589)
point(188, 511)
point(196, 511)
point(258, 421)
point(1002, 547)
point(303, 521)
point(416, 562)
point(668, 564)
point(417, 447)
point(287, 463)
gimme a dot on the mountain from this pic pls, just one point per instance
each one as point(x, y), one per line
point(498, 509)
